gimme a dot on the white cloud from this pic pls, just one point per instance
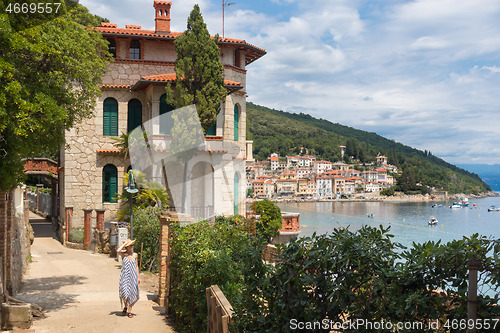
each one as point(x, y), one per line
point(423, 72)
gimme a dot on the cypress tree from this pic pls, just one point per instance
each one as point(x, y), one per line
point(199, 71)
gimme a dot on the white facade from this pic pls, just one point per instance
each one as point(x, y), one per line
point(324, 186)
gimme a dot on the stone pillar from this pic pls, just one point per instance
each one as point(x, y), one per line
point(100, 219)
point(68, 220)
point(164, 285)
point(155, 117)
point(87, 225)
point(26, 211)
point(53, 194)
point(38, 187)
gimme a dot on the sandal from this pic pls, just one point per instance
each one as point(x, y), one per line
point(130, 315)
point(124, 312)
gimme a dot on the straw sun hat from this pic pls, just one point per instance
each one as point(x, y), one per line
point(128, 242)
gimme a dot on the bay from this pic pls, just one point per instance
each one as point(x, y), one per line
point(408, 221)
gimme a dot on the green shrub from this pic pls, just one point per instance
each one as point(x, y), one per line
point(205, 255)
point(76, 236)
point(363, 275)
point(147, 235)
point(270, 220)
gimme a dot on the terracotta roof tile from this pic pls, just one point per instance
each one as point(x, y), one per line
point(109, 151)
point(115, 86)
point(252, 52)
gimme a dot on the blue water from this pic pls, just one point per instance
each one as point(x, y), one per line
point(408, 220)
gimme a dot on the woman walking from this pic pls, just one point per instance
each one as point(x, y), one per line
point(129, 277)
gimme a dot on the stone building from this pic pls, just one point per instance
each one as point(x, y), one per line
point(133, 94)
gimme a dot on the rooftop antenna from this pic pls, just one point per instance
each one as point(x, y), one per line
point(224, 5)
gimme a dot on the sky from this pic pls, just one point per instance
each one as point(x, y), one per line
point(425, 73)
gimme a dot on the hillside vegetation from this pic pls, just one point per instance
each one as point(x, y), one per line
point(284, 133)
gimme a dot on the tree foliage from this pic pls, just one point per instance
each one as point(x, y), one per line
point(151, 194)
point(147, 232)
point(49, 81)
point(199, 71)
point(270, 220)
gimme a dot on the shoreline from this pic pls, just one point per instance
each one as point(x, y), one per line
point(396, 198)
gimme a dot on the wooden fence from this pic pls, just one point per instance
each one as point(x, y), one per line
point(220, 311)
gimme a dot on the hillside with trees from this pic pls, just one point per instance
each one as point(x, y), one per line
point(274, 131)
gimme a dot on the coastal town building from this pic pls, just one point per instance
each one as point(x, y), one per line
point(321, 166)
point(370, 176)
point(381, 160)
point(286, 187)
point(133, 94)
point(302, 187)
point(326, 180)
point(274, 159)
point(324, 186)
point(338, 185)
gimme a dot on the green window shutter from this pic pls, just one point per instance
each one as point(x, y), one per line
point(165, 125)
point(236, 122)
point(212, 130)
point(235, 193)
point(110, 117)
point(109, 183)
point(134, 115)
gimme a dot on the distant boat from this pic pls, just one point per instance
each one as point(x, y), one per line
point(464, 202)
point(494, 209)
point(433, 221)
point(436, 205)
point(455, 205)
point(370, 215)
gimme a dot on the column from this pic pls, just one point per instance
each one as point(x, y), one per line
point(155, 116)
point(87, 224)
point(38, 188)
point(53, 195)
point(164, 285)
point(100, 219)
point(69, 219)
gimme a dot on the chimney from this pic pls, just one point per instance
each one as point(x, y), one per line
point(162, 17)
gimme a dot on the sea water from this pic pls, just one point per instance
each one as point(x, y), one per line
point(408, 221)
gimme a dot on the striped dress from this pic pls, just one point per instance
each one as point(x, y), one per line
point(129, 282)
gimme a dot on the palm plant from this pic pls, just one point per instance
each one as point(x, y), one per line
point(151, 194)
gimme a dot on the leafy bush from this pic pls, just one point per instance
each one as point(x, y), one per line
point(147, 231)
point(388, 191)
point(270, 220)
point(363, 275)
point(151, 194)
point(76, 236)
point(205, 255)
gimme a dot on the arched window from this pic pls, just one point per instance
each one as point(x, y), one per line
point(235, 193)
point(112, 47)
point(109, 183)
point(135, 49)
point(236, 122)
point(110, 122)
point(134, 118)
point(165, 123)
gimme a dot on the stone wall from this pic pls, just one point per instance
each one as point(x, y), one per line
point(14, 241)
